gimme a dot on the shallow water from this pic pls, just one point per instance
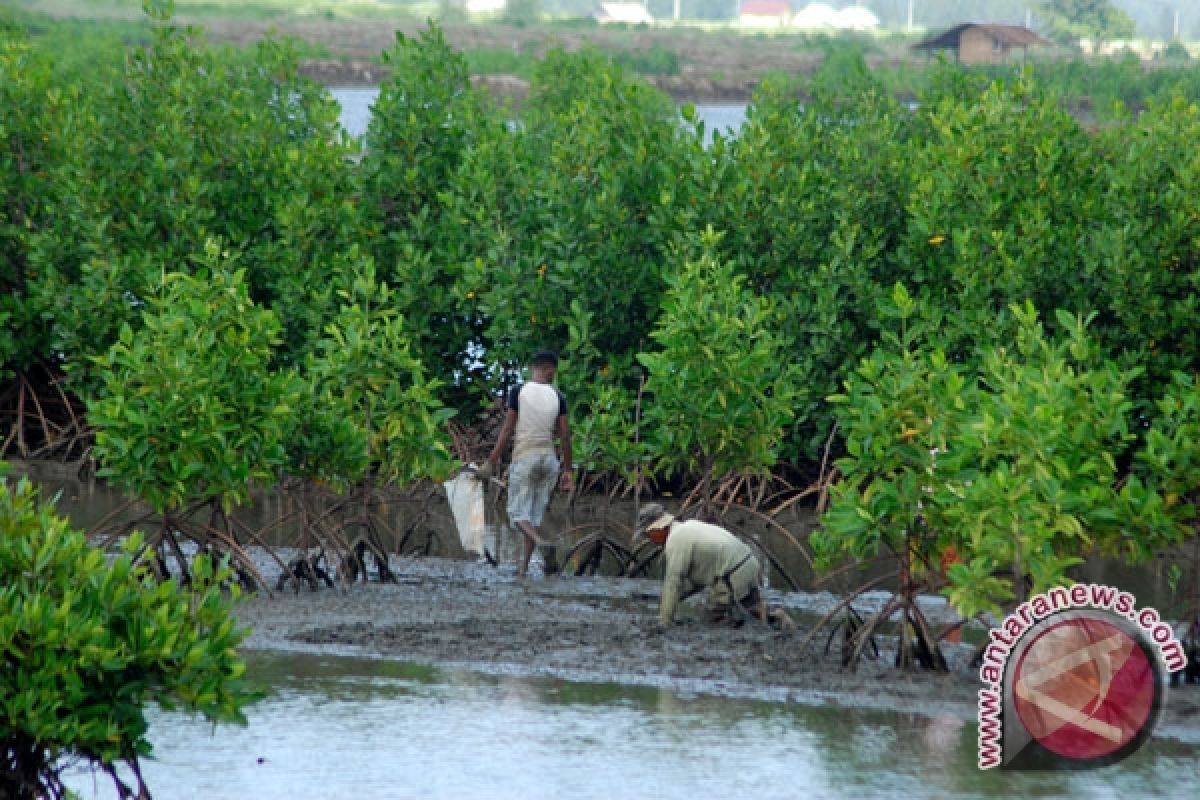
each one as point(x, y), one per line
point(356, 112)
point(340, 727)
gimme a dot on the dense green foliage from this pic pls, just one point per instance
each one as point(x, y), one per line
point(1004, 192)
point(720, 384)
point(182, 145)
point(188, 408)
point(1011, 464)
point(1071, 20)
point(388, 284)
point(375, 411)
point(812, 203)
point(32, 112)
point(87, 642)
point(425, 124)
point(571, 219)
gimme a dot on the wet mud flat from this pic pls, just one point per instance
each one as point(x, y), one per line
point(455, 613)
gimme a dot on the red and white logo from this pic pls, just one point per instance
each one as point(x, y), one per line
point(1073, 678)
point(1084, 688)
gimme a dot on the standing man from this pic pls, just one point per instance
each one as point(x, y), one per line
point(701, 556)
point(536, 413)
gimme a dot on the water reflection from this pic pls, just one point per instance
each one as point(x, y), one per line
point(337, 727)
point(356, 112)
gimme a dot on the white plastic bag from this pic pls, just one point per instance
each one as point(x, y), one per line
point(465, 494)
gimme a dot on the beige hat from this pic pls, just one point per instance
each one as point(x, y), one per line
point(652, 517)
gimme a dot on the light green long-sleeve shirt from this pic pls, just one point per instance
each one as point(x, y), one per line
point(696, 555)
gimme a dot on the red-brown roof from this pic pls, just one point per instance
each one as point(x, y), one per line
point(1008, 35)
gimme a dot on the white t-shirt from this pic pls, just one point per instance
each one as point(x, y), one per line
point(538, 407)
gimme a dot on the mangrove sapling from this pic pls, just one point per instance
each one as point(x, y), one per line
point(1010, 465)
point(377, 422)
point(189, 413)
point(90, 639)
point(720, 389)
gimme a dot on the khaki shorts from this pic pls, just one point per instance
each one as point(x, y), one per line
point(531, 481)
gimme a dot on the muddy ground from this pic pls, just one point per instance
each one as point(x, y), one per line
point(466, 614)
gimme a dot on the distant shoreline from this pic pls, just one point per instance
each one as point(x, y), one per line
point(685, 89)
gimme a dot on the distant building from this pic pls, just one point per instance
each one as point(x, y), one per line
point(628, 13)
point(819, 16)
point(486, 6)
point(983, 43)
point(764, 13)
point(816, 16)
point(857, 18)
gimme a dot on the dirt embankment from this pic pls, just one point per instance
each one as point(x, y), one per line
point(460, 613)
point(683, 88)
point(713, 66)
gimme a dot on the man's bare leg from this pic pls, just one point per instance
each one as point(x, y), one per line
point(531, 540)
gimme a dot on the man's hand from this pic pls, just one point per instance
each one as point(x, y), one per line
point(566, 481)
point(486, 471)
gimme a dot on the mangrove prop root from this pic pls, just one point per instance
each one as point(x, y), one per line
point(842, 604)
point(864, 633)
point(849, 626)
point(38, 418)
point(308, 569)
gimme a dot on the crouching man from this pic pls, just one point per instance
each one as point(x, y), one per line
point(699, 556)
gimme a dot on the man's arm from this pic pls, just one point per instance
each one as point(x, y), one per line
point(567, 479)
point(672, 588)
point(506, 431)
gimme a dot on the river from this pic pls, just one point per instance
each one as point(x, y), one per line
point(356, 112)
point(344, 727)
